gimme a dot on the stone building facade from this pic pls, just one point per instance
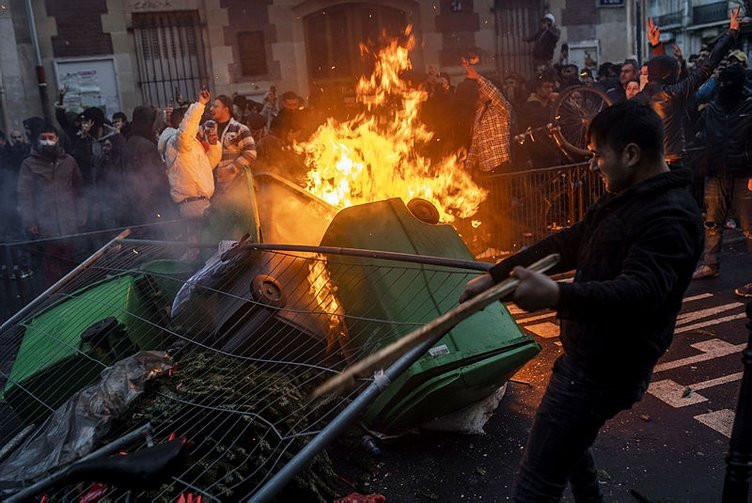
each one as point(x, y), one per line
point(123, 53)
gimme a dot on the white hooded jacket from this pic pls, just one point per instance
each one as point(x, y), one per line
point(189, 166)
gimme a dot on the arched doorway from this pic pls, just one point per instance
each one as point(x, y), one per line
point(333, 36)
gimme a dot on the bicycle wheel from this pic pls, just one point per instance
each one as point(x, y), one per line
point(572, 113)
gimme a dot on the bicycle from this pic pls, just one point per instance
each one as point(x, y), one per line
point(564, 191)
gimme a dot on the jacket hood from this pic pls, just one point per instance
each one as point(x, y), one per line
point(166, 135)
point(34, 125)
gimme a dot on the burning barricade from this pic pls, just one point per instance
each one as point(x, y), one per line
point(253, 330)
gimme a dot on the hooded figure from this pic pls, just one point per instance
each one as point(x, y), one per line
point(727, 135)
point(668, 95)
point(49, 188)
point(147, 191)
point(33, 126)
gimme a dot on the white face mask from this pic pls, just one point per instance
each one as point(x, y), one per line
point(47, 143)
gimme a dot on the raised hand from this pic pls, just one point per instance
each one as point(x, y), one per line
point(470, 72)
point(204, 96)
point(735, 22)
point(654, 33)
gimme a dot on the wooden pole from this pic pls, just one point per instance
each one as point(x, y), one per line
point(434, 328)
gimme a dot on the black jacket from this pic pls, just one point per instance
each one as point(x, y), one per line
point(727, 136)
point(544, 43)
point(634, 254)
point(669, 99)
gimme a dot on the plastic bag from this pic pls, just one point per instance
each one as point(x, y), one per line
point(76, 427)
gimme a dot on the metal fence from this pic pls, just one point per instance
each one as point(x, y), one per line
point(524, 207)
point(27, 268)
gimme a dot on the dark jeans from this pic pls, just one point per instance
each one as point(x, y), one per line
point(721, 194)
point(573, 409)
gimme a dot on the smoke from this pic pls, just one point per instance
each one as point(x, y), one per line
point(289, 214)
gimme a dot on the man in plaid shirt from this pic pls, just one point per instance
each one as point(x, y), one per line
point(234, 204)
point(489, 154)
point(489, 146)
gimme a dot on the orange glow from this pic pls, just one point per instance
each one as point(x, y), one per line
point(377, 155)
point(324, 292)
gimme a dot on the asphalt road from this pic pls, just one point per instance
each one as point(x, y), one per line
point(670, 447)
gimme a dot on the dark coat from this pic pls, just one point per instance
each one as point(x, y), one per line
point(669, 97)
point(50, 195)
point(727, 135)
point(544, 43)
point(147, 190)
point(634, 255)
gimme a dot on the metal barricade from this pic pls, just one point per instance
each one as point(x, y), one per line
point(526, 206)
point(29, 267)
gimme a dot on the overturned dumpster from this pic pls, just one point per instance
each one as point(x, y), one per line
point(251, 333)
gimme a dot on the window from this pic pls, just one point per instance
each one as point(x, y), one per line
point(252, 53)
point(170, 52)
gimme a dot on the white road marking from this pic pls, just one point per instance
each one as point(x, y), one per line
point(674, 393)
point(514, 310)
point(677, 395)
point(697, 297)
point(721, 421)
point(535, 318)
point(547, 330)
point(711, 349)
point(717, 381)
point(685, 318)
point(710, 323)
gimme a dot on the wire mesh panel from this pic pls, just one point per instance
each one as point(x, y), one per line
point(171, 57)
point(530, 205)
point(245, 341)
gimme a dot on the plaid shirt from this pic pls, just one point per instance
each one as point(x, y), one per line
point(238, 148)
point(489, 146)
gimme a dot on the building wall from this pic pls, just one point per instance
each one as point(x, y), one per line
point(19, 93)
point(104, 28)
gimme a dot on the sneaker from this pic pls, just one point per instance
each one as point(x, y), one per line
point(744, 291)
point(706, 271)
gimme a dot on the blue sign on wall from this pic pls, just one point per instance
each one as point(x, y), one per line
point(611, 3)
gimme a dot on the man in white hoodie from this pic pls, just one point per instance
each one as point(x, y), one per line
point(190, 161)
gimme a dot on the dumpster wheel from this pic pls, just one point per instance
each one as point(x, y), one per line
point(267, 290)
point(424, 210)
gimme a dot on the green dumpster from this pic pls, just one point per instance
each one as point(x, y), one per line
point(67, 345)
point(466, 365)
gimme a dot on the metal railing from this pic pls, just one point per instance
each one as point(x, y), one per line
point(29, 267)
point(710, 13)
point(524, 207)
point(672, 18)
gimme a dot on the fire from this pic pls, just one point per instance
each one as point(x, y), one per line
point(324, 292)
point(376, 155)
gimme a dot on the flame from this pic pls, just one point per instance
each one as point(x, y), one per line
point(325, 293)
point(376, 155)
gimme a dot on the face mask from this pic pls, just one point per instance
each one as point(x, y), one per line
point(731, 92)
point(47, 148)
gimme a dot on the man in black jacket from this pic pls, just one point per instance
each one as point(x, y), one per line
point(668, 95)
point(634, 253)
point(544, 41)
point(727, 135)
